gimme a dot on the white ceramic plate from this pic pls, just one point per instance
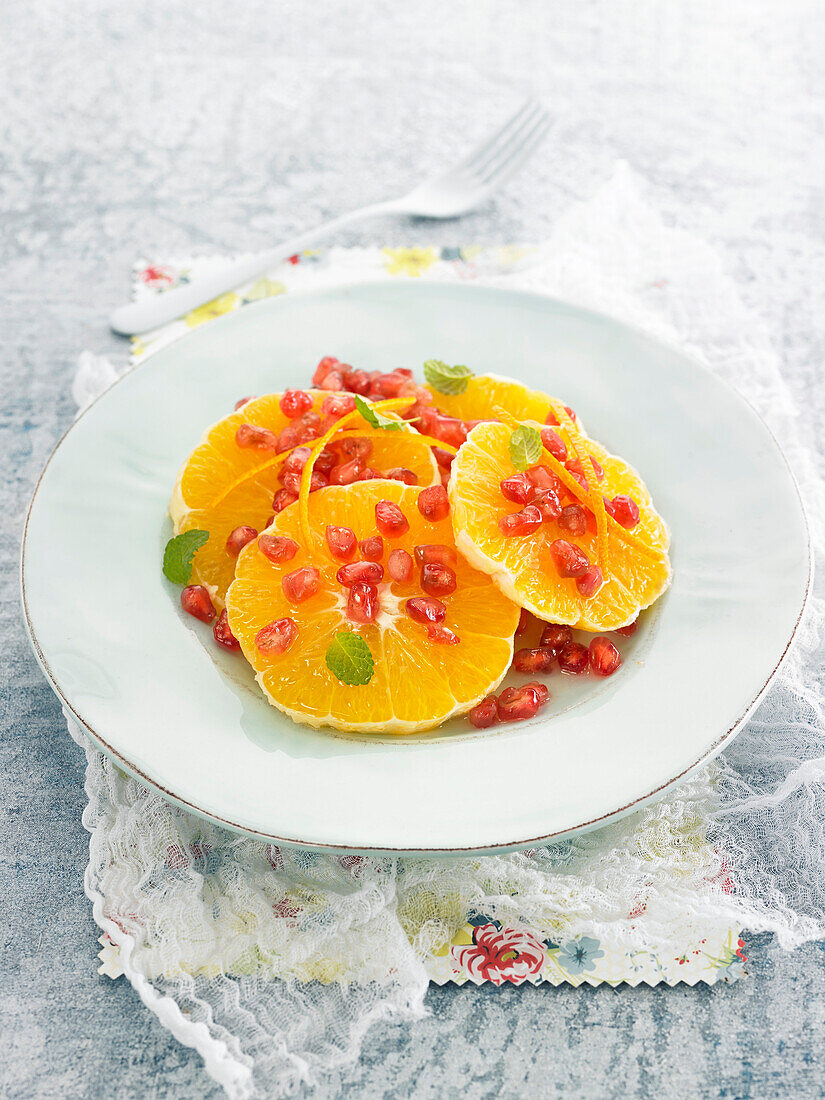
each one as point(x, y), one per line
point(147, 682)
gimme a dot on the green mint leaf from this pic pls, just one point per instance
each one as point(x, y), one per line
point(177, 557)
point(525, 447)
point(446, 379)
point(376, 420)
point(349, 659)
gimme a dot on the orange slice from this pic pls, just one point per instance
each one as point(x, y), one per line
point(638, 568)
point(416, 683)
point(486, 392)
point(222, 486)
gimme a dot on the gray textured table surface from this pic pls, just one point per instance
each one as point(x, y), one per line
point(161, 128)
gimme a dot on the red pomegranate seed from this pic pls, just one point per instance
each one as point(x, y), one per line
point(390, 520)
point(291, 436)
point(435, 554)
point(629, 630)
point(301, 584)
point(448, 429)
point(249, 435)
point(442, 457)
point(541, 690)
point(337, 405)
point(444, 474)
point(369, 474)
point(400, 566)
point(424, 609)
point(433, 503)
point(237, 539)
point(573, 519)
point(324, 461)
point(354, 446)
point(357, 381)
point(484, 714)
point(533, 660)
point(295, 403)
point(362, 603)
point(554, 443)
point(442, 635)
point(554, 636)
point(548, 504)
point(347, 472)
point(523, 622)
point(282, 499)
point(591, 582)
point(573, 659)
point(333, 381)
point(604, 657)
point(243, 401)
point(597, 466)
point(327, 364)
point(296, 460)
point(368, 572)
point(517, 488)
point(438, 580)
point(372, 549)
point(608, 506)
point(223, 635)
point(542, 477)
point(277, 548)
point(390, 384)
point(568, 559)
point(518, 704)
point(292, 481)
point(625, 511)
point(552, 419)
point(341, 541)
point(401, 473)
point(277, 637)
point(196, 600)
point(524, 522)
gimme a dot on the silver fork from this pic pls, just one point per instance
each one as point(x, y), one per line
point(446, 195)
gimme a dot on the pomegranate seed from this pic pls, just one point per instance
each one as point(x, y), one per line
point(355, 447)
point(296, 460)
point(292, 481)
point(390, 520)
point(196, 600)
point(541, 690)
point(548, 504)
point(277, 637)
point(555, 636)
point(573, 519)
point(625, 511)
point(424, 609)
point(524, 522)
point(301, 584)
point(541, 477)
point(369, 474)
point(485, 713)
point(372, 548)
point(290, 437)
point(324, 461)
point(554, 443)
point(277, 548)
point(435, 554)
point(368, 572)
point(391, 384)
point(338, 405)
point(400, 566)
point(568, 559)
point(438, 580)
point(591, 582)
point(327, 364)
point(533, 660)
point(269, 521)
point(604, 657)
point(357, 381)
point(237, 539)
point(223, 635)
point(573, 659)
point(442, 457)
point(582, 480)
point(347, 472)
point(552, 419)
point(518, 488)
point(629, 630)
point(448, 429)
point(401, 473)
point(444, 474)
point(523, 622)
point(433, 503)
point(282, 499)
point(249, 435)
point(341, 541)
point(333, 381)
point(518, 704)
point(243, 401)
point(295, 403)
point(608, 506)
point(597, 466)
point(362, 604)
point(442, 635)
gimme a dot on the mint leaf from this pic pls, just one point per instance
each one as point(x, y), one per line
point(349, 659)
point(525, 447)
point(376, 420)
point(446, 379)
point(177, 557)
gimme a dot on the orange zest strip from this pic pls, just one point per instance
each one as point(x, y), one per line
point(378, 433)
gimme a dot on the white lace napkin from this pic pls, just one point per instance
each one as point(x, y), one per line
point(274, 963)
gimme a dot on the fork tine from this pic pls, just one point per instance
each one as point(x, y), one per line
point(506, 166)
point(489, 143)
point(508, 141)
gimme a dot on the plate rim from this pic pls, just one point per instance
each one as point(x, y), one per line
point(507, 845)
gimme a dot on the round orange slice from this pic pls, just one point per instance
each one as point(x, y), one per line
point(485, 393)
point(222, 486)
point(635, 562)
point(416, 683)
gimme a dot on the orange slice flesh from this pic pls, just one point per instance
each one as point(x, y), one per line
point(417, 684)
point(222, 486)
point(521, 566)
point(487, 391)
